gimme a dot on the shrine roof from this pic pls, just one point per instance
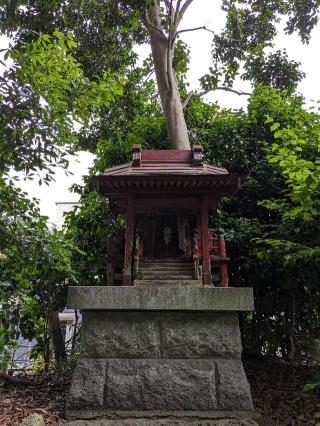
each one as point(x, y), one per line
point(161, 163)
point(161, 169)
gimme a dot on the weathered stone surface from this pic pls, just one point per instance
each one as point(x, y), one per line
point(168, 282)
point(167, 335)
point(160, 298)
point(165, 422)
point(190, 335)
point(120, 335)
point(159, 350)
point(233, 389)
point(34, 419)
point(87, 388)
point(160, 385)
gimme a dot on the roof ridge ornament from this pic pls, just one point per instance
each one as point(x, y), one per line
point(197, 155)
point(136, 155)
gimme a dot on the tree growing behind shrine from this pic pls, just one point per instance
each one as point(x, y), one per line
point(102, 36)
point(106, 32)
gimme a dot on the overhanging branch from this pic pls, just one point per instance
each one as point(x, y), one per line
point(183, 9)
point(203, 27)
point(147, 23)
point(213, 89)
point(177, 13)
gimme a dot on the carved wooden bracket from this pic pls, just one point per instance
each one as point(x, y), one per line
point(197, 155)
point(136, 155)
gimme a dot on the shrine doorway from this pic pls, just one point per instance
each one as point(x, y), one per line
point(167, 233)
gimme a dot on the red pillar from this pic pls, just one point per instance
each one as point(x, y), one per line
point(224, 267)
point(205, 242)
point(127, 270)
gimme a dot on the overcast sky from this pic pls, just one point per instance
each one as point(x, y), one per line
point(201, 12)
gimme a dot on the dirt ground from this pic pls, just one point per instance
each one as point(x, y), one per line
point(276, 390)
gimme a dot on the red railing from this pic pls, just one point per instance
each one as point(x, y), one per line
point(218, 257)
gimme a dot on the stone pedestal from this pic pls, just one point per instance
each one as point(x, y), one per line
point(159, 351)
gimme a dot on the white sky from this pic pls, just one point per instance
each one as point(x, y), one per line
point(201, 12)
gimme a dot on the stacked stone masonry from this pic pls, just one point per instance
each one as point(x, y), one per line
point(160, 361)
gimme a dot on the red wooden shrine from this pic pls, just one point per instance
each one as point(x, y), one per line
point(167, 197)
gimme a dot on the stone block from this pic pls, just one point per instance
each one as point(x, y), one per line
point(160, 384)
point(160, 298)
point(87, 388)
point(233, 389)
point(203, 335)
point(120, 335)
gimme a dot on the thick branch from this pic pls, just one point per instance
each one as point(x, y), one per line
point(177, 13)
point(184, 7)
point(167, 3)
point(169, 7)
point(169, 51)
point(148, 75)
point(147, 23)
point(205, 92)
point(203, 27)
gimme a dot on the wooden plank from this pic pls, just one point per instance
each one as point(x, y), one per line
point(127, 272)
point(162, 155)
point(147, 203)
point(205, 242)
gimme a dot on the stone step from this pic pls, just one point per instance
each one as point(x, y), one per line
point(167, 283)
point(165, 272)
point(165, 277)
point(167, 260)
point(164, 269)
point(171, 267)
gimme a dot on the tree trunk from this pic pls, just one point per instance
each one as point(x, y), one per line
point(56, 336)
point(162, 53)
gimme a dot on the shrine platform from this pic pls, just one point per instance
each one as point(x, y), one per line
point(171, 352)
point(161, 298)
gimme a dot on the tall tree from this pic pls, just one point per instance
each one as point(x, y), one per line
point(106, 32)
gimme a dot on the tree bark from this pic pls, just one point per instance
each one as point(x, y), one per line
point(15, 380)
point(162, 52)
point(56, 336)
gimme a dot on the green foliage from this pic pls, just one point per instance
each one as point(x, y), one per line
point(311, 386)
point(286, 292)
point(35, 269)
point(314, 385)
point(274, 70)
point(89, 225)
point(45, 100)
point(71, 61)
point(244, 46)
point(286, 295)
point(47, 65)
point(8, 344)
point(294, 153)
point(105, 31)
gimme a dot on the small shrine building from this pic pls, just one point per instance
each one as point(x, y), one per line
point(158, 340)
point(167, 197)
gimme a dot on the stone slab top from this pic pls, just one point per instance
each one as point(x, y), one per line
point(109, 298)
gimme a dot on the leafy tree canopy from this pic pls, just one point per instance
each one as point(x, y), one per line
point(45, 101)
point(72, 59)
